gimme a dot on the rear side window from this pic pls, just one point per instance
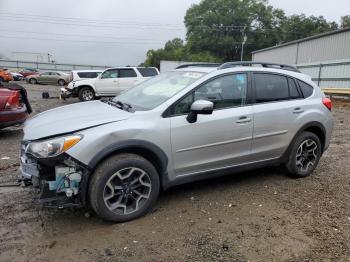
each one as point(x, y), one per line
point(147, 72)
point(88, 74)
point(123, 73)
point(270, 88)
point(293, 89)
point(306, 89)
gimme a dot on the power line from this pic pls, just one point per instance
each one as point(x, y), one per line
point(78, 35)
point(87, 19)
point(125, 26)
point(80, 41)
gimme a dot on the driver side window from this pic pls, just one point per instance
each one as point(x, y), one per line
point(113, 73)
point(225, 91)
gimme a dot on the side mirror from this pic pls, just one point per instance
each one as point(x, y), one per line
point(200, 107)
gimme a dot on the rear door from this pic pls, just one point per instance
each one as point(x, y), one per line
point(127, 78)
point(277, 105)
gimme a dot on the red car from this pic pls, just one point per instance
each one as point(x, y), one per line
point(28, 72)
point(14, 105)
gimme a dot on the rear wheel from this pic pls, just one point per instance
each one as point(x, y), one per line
point(86, 94)
point(124, 187)
point(33, 81)
point(61, 82)
point(305, 155)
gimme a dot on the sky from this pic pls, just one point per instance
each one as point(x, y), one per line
point(113, 32)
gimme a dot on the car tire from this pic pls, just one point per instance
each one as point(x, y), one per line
point(33, 81)
point(304, 155)
point(124, 187)
point(86, 94)
point(61, 82)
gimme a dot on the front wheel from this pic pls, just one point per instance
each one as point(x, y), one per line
point(305, 155)
point(124, 187)
point(86, 94)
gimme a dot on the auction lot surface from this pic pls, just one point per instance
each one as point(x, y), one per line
point(255, 216)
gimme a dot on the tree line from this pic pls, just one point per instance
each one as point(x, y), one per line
point(216, 29)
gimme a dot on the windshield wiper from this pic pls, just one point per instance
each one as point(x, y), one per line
point(121, 105)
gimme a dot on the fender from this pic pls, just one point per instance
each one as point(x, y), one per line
point(131, 144)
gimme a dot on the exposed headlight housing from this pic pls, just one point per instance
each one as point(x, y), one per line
point(52, 147)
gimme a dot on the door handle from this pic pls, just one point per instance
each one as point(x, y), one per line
point(243, 119)
point(298, 110)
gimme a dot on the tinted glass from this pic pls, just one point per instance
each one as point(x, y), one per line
point(270, 88)
point(293, 89)
point(113, 73)
point(306, 89)
point(123, 73)
point(147, 72)
point(226, 91)
point(88, 74)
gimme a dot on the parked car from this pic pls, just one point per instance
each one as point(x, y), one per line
point(77, 75)
point(14, 105)
point(181, 126)
point(17, 76)
point(109, 83)
point(29, 71)
point(5, 75)
point(49, 77)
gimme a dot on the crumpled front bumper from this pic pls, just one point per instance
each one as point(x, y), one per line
point(43, 174)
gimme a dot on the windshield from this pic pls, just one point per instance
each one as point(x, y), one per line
point(153, 92)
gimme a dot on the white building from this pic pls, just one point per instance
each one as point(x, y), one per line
point(325, 57)
point(32, 57)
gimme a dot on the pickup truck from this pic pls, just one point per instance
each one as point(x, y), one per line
point(109, 83)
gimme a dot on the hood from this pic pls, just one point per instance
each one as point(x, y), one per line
point(70, 118)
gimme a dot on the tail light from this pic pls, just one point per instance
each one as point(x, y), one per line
point(328, 103)
point(13, 101)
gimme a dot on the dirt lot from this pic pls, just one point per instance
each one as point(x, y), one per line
point(256, 216)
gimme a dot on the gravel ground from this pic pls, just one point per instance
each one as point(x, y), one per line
point(254, 216)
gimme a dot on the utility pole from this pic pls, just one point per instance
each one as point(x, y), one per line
point(244, 40)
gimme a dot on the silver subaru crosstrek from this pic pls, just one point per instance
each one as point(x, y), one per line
point(189, 124)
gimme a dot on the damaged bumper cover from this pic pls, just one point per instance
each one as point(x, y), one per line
point(61, 181)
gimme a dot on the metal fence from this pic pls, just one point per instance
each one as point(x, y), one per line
point(18, 65)
point(329, 74)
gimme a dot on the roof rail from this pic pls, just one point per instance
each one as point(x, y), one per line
point(198, 65)
point(263, 64)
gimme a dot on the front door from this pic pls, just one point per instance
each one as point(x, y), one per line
point(222, 139)
point(107, 84)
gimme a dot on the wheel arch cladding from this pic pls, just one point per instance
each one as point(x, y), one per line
point(148, 150)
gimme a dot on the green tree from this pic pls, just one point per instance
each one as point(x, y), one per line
point(345, 21)
point(216, 29)
point(218, 26)
point(176, 50)
point(301, 26)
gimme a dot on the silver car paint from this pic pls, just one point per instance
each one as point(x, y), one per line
point(70, 118)
point(213, 142)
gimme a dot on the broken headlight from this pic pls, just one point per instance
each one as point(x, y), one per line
point(52, 147)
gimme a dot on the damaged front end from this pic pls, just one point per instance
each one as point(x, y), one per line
point(60, 180)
